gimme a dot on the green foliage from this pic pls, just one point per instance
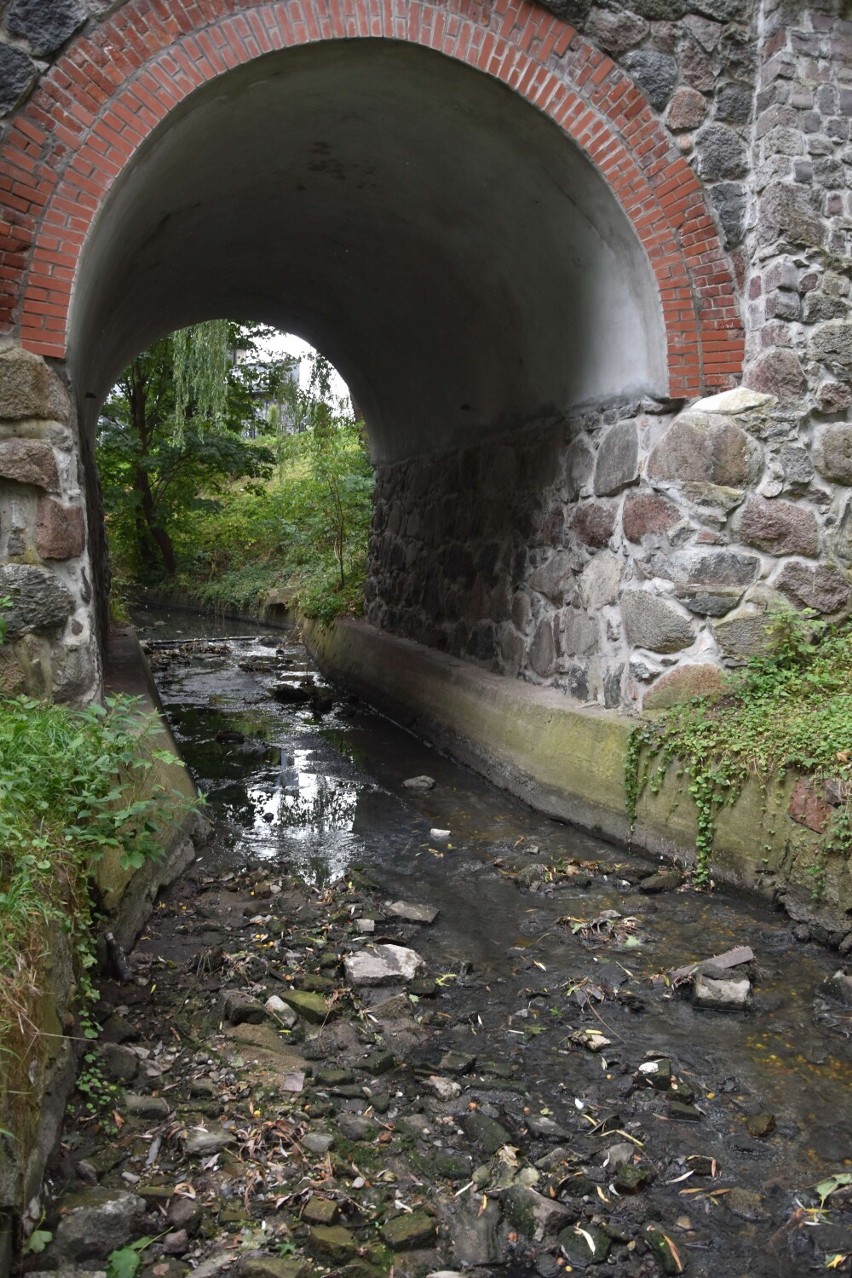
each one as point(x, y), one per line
point(789, 709)
point(124, 1262)
point(190, 493)
point(304, 533)
point(75, 785)
point(173, 435)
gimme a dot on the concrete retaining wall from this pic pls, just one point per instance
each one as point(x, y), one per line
point(568, 761)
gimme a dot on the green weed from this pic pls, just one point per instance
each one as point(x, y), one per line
point(790, 709)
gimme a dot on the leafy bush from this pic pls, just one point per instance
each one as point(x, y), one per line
point(74, 785)
point(789, 709)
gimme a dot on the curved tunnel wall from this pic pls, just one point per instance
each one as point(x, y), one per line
point(463, 264)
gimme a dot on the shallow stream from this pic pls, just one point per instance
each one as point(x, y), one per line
point(525, 955)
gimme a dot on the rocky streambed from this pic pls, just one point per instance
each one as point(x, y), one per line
point(394, 1022)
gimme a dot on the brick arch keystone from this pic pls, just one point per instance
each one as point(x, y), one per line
point(115, 85)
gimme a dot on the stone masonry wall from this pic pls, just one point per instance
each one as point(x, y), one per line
point(649, 559)
point(45, 574)
point(626, 556)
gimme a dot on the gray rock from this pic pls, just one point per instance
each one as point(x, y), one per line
point(729, 201)
point(95, 1222)
point(706, 448)
point(39, 600)
point(29, 389)
point(419, 783)
point(655, 73)
point(120, 1064)
point(708, 601)
point(722, 153)
point(154, 1107)
point(838, 987)
point(44, 24)
point(617, 461)
point(533, 1215)
point(797, 467)
point(716, 568)
point(200, 1141)
point(600, 581)
point(356, 1127)
point(412, 912)
point(823, 586)
point(280, 1011)
point(742, 634)
point(724, 996)
point(734, 103)
point(486, 1133)
point(579, 632)
point(786, 213)
point(654, 623)
point(17, 73)
point(616, 31)
point(317, 1142)
point(543, 649)
point(832, 345)
point(238, 1008)
point(556, 577)
point(780, 527)
point(383, 965)
point(475, 1241)
point(185, 1213)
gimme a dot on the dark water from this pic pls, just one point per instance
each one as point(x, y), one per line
point(322, 793)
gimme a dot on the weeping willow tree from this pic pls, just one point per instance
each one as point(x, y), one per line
point(202, 357)
point(171, 434)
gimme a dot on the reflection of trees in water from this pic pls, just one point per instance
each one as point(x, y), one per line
point(329, 804)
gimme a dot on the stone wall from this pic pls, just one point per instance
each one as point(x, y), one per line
point(45, 573)
point(626, 556)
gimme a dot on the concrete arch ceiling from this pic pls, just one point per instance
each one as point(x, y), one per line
point(450, 250)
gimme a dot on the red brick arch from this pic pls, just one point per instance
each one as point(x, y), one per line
point(115, 85)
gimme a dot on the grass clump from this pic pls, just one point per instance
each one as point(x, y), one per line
point(789, 709)
point(75, 785)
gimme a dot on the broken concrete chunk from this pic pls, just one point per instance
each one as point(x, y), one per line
point(726, 996)
point(720, 962)
point(413, 913)
point(383, 965)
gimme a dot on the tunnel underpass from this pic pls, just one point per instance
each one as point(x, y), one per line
point(450, 250)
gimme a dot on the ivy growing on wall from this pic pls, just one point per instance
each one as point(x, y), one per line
point(790, 710)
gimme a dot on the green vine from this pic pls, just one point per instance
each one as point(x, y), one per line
point(790, 709)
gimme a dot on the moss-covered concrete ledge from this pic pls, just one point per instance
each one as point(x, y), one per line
point(33, 1093)
point(568, 760)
